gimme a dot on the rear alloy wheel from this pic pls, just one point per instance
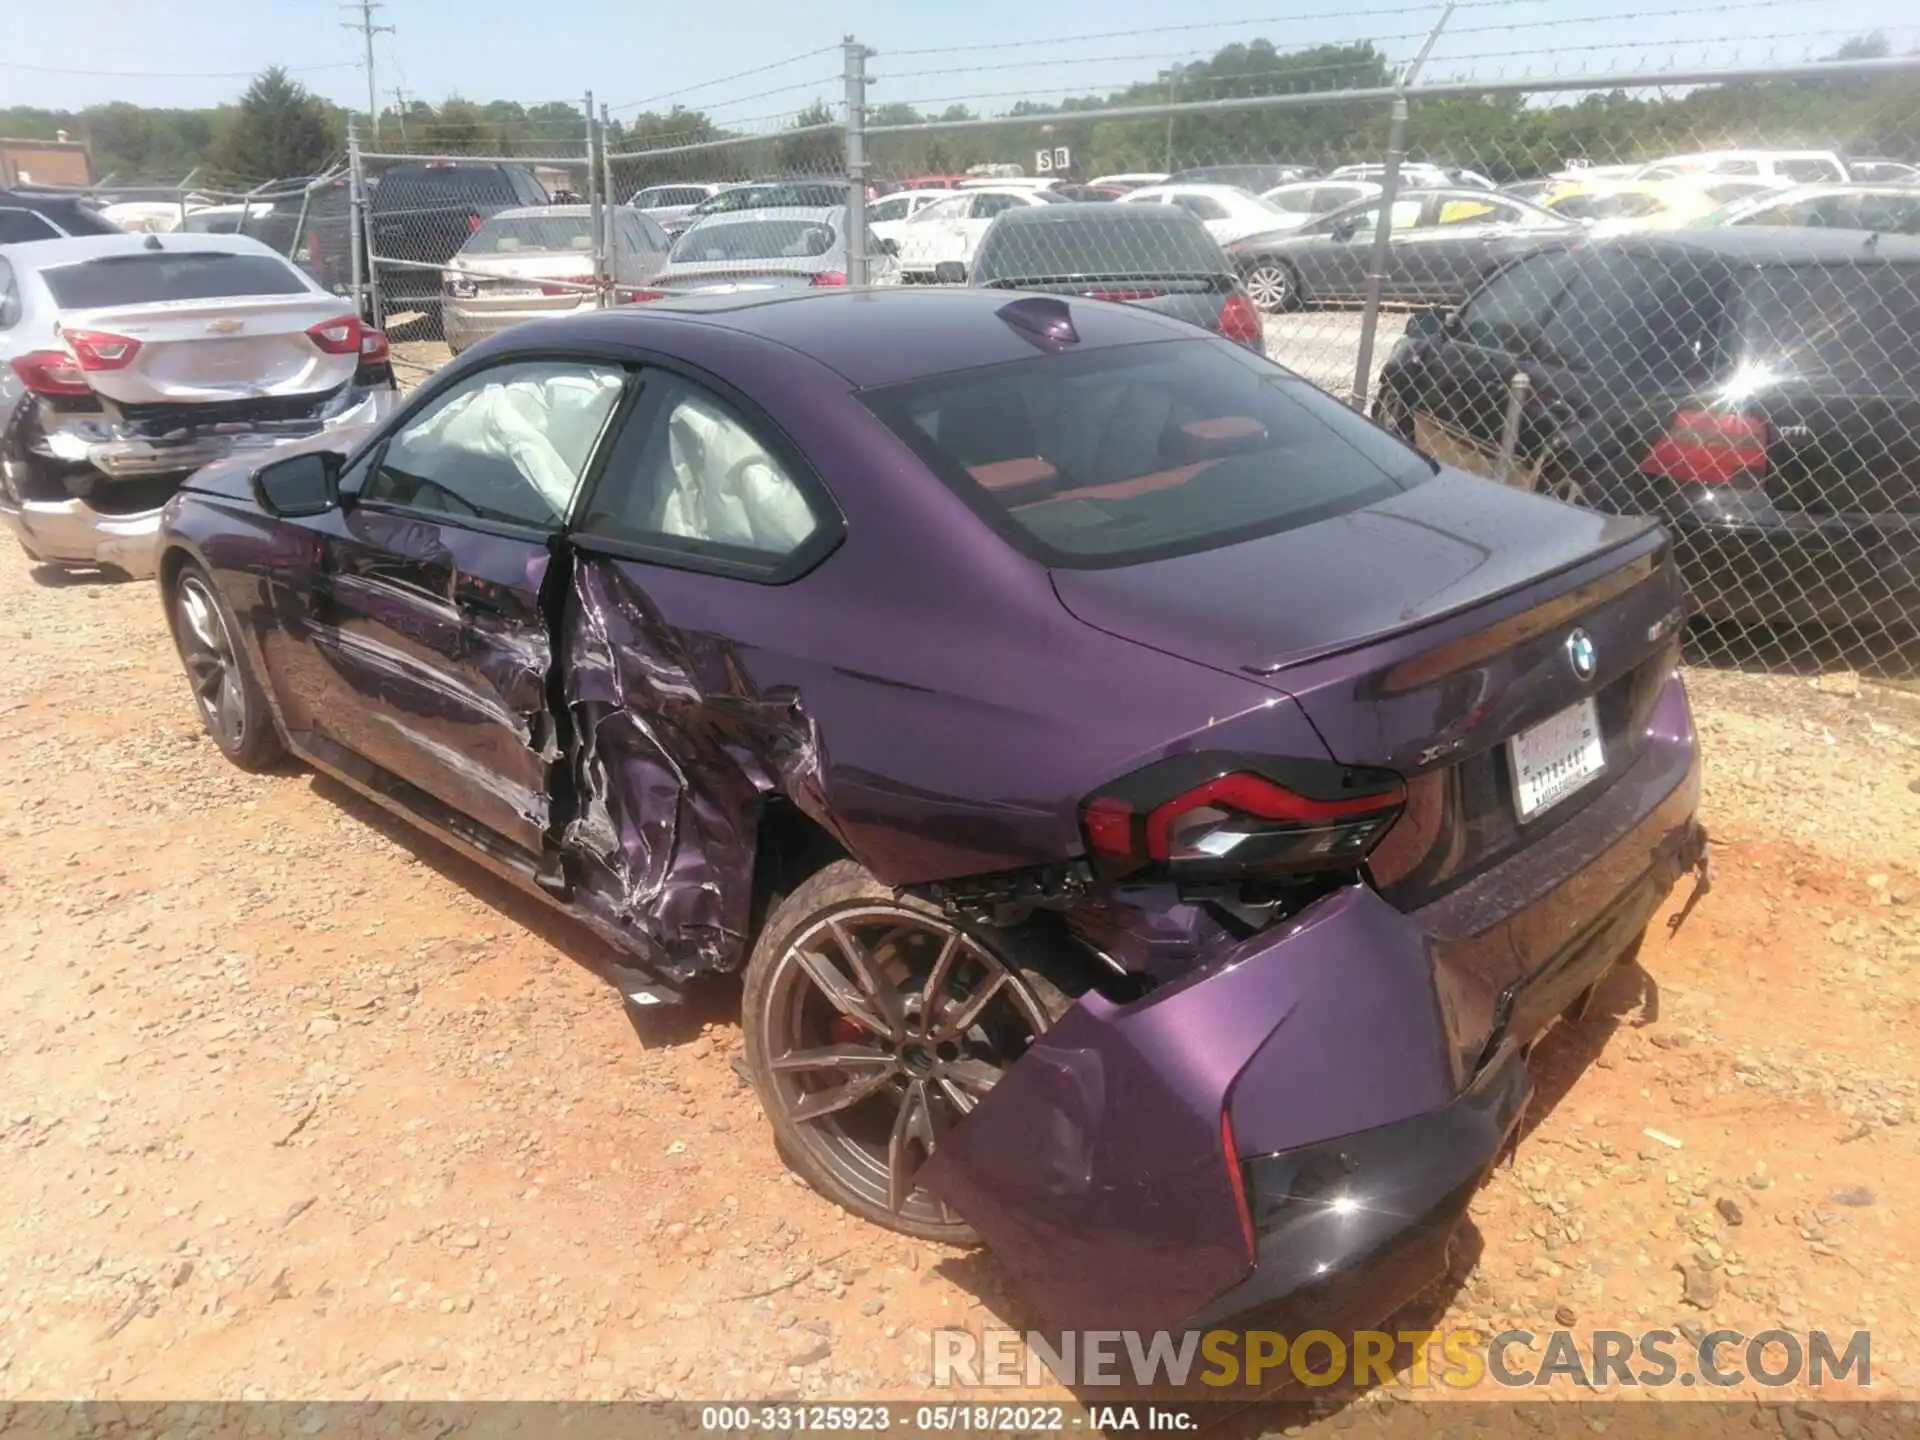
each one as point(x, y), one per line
point(1273, 286)
point(873, 1025)
point(232, 707)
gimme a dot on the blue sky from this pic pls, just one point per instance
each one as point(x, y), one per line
point(987, 53)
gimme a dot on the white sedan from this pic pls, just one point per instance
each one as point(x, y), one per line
point(887, 217)
point(947, 232)
point(1228, 212)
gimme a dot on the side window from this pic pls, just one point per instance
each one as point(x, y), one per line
point(17, 226)
point(1625, 311)
point(651, 234)
point(693, 475)
point(529, 189)
point(1362, 223)
point(1737, 167)
point(509, 444)
point(895, 209)
point(1515, 302)
point(1807, 168)
point(953, 209)
point(985, 207)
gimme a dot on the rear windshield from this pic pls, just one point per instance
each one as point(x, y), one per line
point(1111, 457)
point(179, 275)
point(1857, 323)
point(532, 232)
point(413, 188)
point(1628, 205)
point(753, 240)
point(668, 195)
point(1106, 246)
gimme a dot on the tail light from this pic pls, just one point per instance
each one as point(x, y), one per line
point(829, 277)
point(374, 349)
point(1239, 321)
point(337, 337)
point(1221, 816)
point(1707, 447)
point(566, 283)
point(98, 350)
point(51, 372)
point(474, 222)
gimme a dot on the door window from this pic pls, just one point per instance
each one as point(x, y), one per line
point(1512, 306)
point(952, 209)
point(895, 209)
point(1805, 169)
point(985, 207)
point(693, 475)
point(19, 226)
point(509, 444)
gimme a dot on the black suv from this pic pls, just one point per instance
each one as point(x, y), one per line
point(1752, 387)
point(423, 213)
point(26, 216)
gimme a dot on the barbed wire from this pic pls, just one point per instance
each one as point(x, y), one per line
point(170, 74)
point(1161, 58)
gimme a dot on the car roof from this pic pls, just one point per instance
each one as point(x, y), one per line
point(1215, 189)
point(533, 212)
point(1100, 211)
point(1748, 245)
point(41, 254)
point(877, 336)
point(773, 212)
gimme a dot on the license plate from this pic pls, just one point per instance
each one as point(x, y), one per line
point(509, 292)
point(1553, 759)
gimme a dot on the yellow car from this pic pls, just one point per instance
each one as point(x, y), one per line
point(1611, 206)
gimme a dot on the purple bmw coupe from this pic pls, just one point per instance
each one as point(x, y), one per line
point(1153, 808)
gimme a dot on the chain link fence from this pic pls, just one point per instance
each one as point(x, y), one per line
point(1691, 293)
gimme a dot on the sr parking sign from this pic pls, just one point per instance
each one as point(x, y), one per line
point(1048, 162)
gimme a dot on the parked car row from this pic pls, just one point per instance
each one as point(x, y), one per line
point(1749, 386)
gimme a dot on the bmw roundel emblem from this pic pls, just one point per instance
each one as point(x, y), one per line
point(1581, 654)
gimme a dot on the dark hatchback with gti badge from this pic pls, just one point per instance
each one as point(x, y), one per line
point(1753, 388)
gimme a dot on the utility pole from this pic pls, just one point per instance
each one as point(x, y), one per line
point(368, 30)
point(400, 109)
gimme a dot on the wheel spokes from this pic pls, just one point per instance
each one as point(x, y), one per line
point(834, 1057)
point(843, 997)
point(952, 1027)
point(815, 1103)
point(873, 982)
point(933, 994)
point(912, 1126)
point(232, 715)
point(198, 613)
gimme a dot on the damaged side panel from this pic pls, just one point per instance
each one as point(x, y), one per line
point(674, 751)
point(433, 652)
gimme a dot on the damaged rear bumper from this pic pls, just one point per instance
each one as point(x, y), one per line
point(124, 450)
point(72, 532)
point(1325, 1075)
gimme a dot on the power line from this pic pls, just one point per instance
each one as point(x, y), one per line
point(726, 79)
point(171, 74)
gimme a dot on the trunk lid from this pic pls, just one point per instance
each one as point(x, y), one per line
point(1195, 299)
point(1835, 452)
point(728, 276)
point(513, 282)
point(217, 349)
point(1421, 634)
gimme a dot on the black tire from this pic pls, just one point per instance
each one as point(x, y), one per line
point(233, 708)
point(856, 1141)
point(1273, 285)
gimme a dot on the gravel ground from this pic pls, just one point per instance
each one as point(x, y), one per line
point(293, 1103)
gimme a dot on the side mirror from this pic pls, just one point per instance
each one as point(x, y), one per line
point(1425, 324)
point(950, 272)
point(889, 247)
point(300, 485)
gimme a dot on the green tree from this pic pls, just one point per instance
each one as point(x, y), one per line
point(280, 129)
point(818, 153)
